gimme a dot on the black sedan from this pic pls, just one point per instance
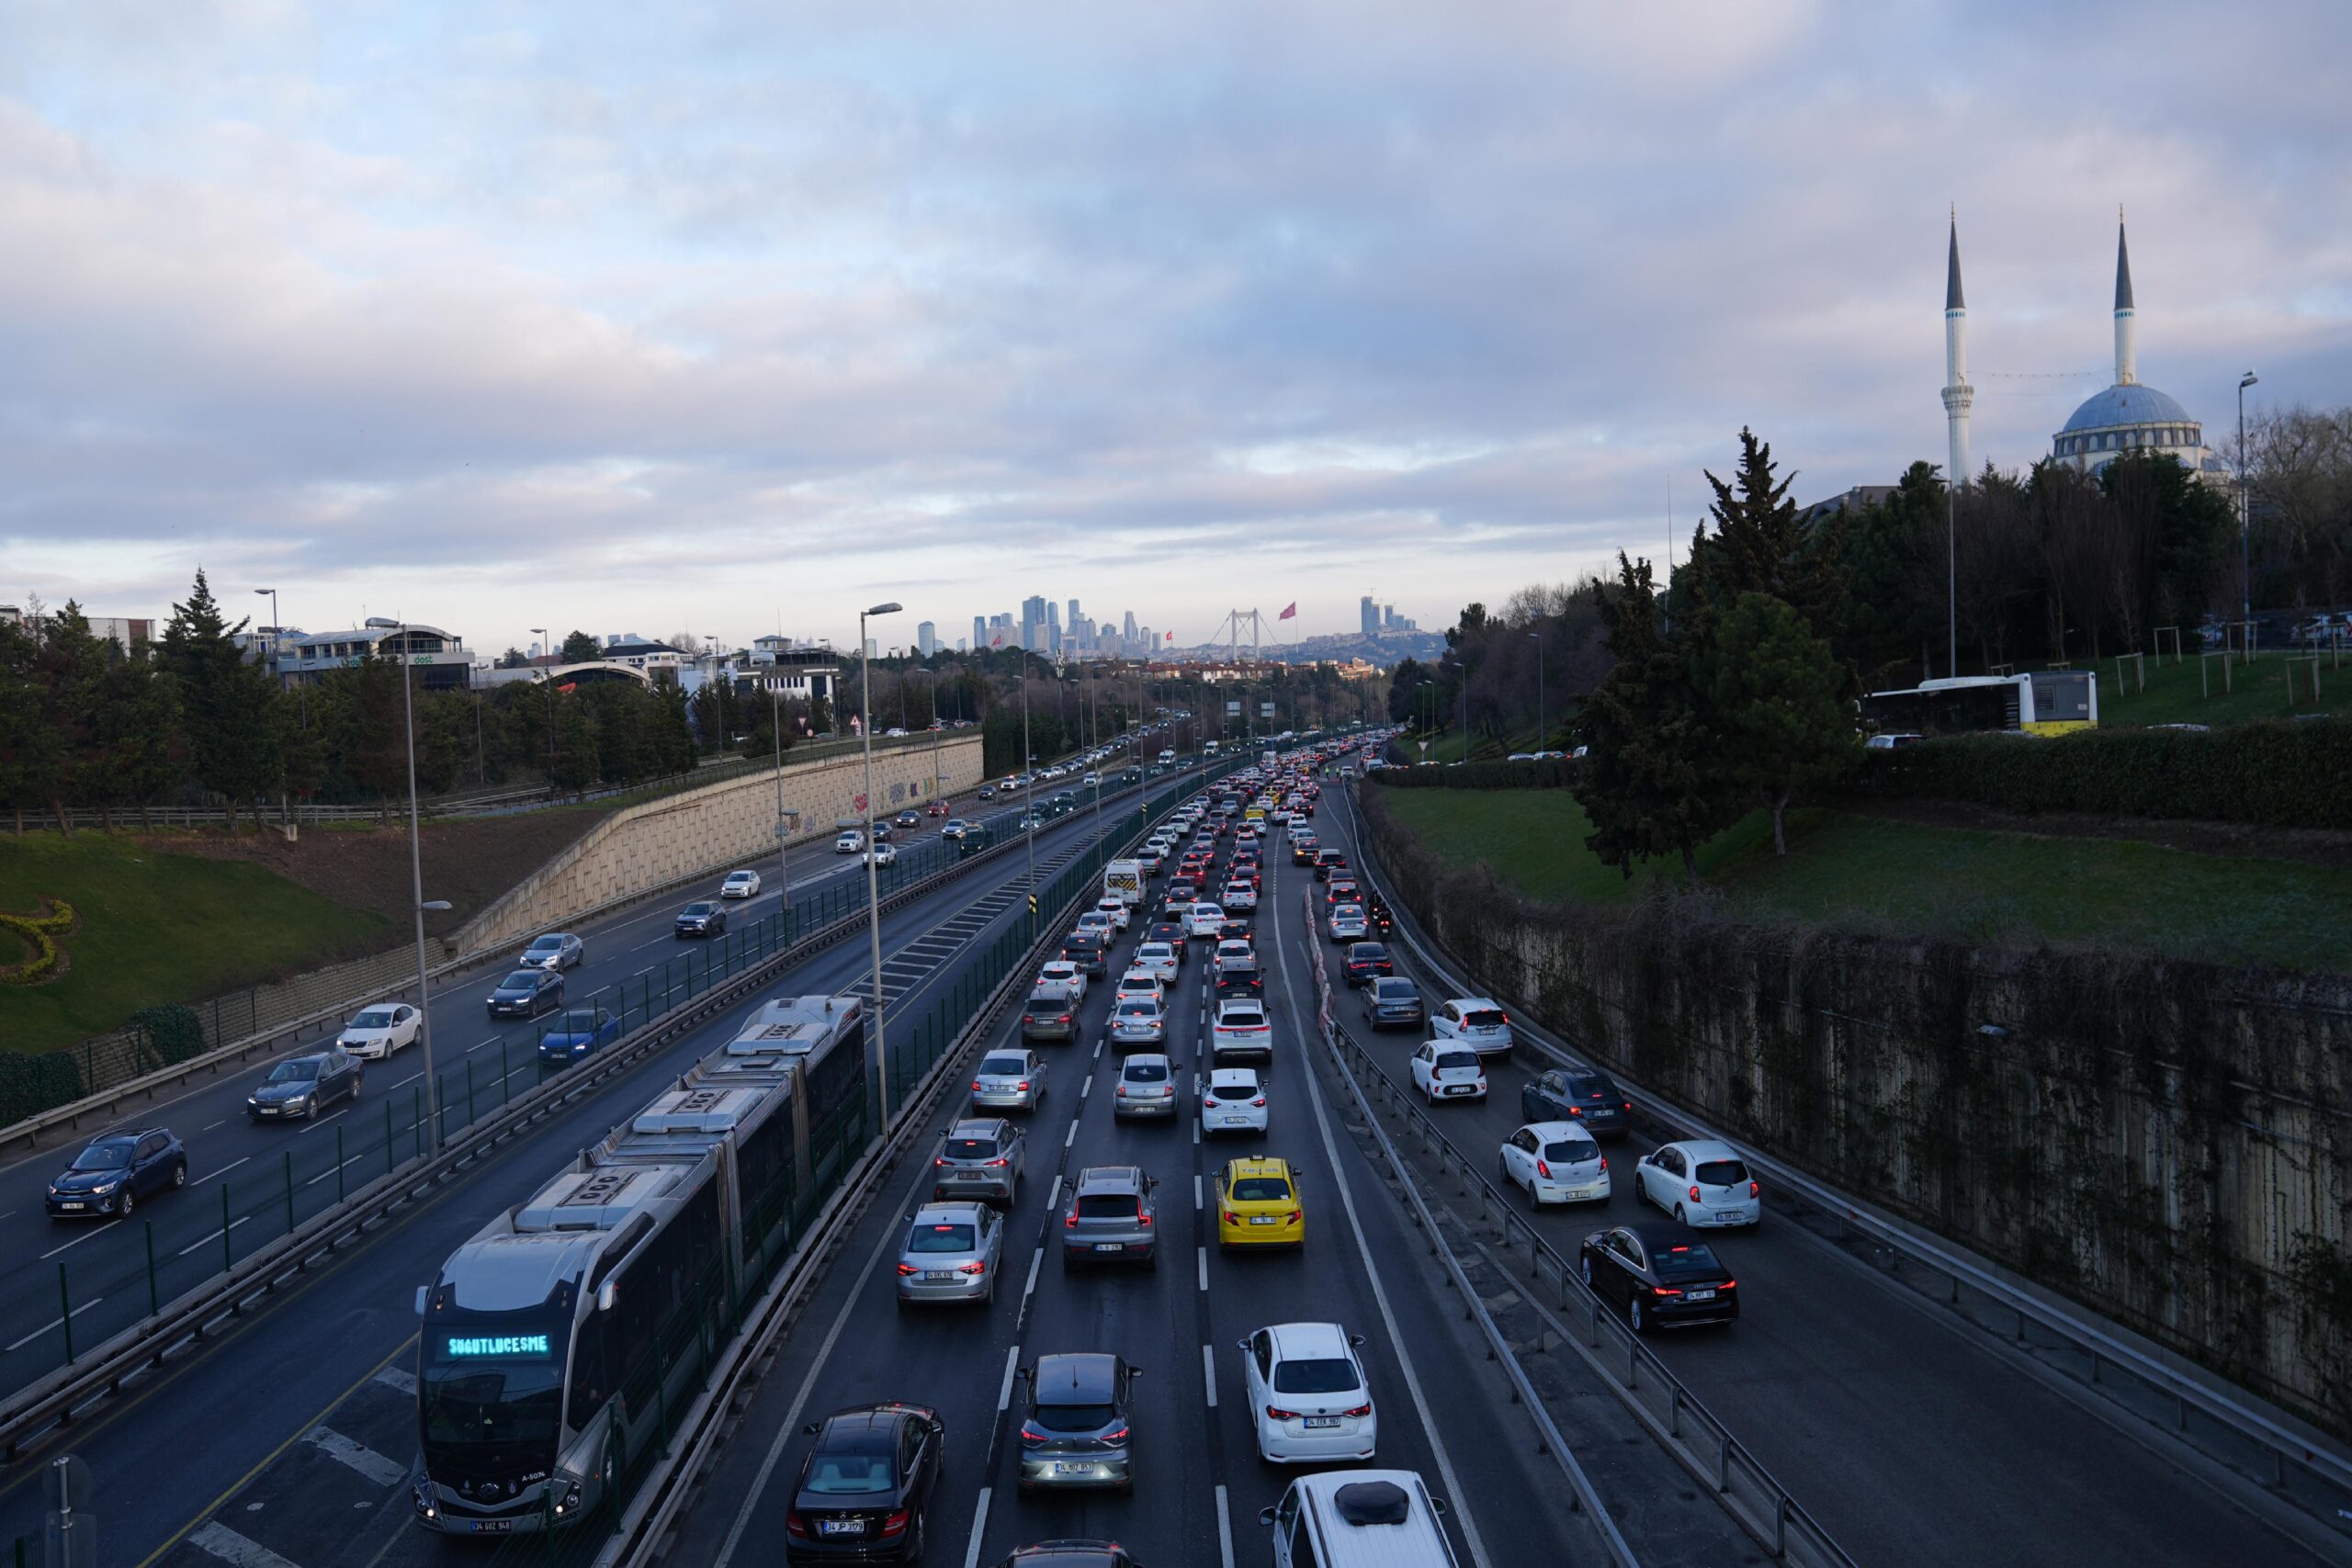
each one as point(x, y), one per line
point(865, 1485)
point(526, 993)
point(300, 1086)
point(1588, 1099)
point(1388, 1001)
point(702, 917)
point(1172, 933)
point(1367, 962)
point(110, 1176)
point(1661, 1273)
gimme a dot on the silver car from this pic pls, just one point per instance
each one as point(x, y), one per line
point(1076, 1431)
point(1146, 1088)
point(979, 1159)
point(952, 1252)
point(1009, 1080)
point(1111, 1218)
point(555, 950)
point(1138, 1021)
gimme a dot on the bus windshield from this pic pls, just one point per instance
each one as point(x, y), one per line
point(489, 1384)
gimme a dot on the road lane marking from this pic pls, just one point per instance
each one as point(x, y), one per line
point(1035, 1259)
point(1073, 1132)
point(1196, 1190)
point(79, 1239)
point(1208, 1373)
point(979, 1523)
point(325, 1121)
point(1223, 1530)
point(54, 1322)
point(222, 1171)
point(383, 1472)
point(208, 1240)
point(1053, 1196)
point(398, 1378)
point(1084, 1087)
point(1004, 1393)
point(219, 1541)
point(1202, 1258)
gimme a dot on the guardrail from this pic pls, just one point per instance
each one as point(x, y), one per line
point(185, 1321)
point(2291, 1455)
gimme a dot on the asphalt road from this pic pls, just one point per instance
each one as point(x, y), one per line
point(1912, 1439)
point(236, 1421)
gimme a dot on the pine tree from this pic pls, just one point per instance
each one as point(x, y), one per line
point(675, 737)
point(1759, 547)
point(581, 647)
point(140, 727)
point(575, 743)
point(28, 746)
point(230, 704)
point(1646, 785)
point(72, 668)
point(1776, 698)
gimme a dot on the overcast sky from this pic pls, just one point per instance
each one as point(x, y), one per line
point(726, 317)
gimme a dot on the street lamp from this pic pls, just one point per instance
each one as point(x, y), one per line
point(416, 875)
point(783, 844)
point(2245, 522)
point(277, 636)
point(547, 675)
point(1542, 736)
point(873, 876)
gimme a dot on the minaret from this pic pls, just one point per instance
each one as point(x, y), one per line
point(1958, 393)
point(2127, 335)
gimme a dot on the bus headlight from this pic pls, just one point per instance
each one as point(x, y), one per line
point(566, 1491)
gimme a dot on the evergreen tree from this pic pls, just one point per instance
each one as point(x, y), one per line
point(1894, 611)
point(370, 740)
point(580, 648)
point(1776, 699)
point(140, 727)
point(1758, 546)
point(73, 667)
point(674, 740)
point(230, 704)
point(575, 743)
point(1645, 784)
point(28, 746)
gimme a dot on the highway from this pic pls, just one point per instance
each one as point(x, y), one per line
point(1913, 1439)
point(159, 1461)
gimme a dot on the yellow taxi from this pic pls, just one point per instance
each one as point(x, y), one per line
point(1257, 1205)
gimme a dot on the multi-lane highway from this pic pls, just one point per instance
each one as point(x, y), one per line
point(1912, 1439)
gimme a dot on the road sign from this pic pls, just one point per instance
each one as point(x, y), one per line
point(66, 1482)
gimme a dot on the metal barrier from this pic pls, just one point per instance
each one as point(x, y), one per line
point(2289, 1454)
point(1710, 1453)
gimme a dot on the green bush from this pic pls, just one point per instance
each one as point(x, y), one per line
point(168, 1034)
point(2274, 774)
point(30, 1085)
point(1552, 773)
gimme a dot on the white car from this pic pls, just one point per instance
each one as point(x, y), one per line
point(1067, 975)
point(1241, 1028)
point(1097, 921)
point(1557, 1162)
point(1139, 982)
point(955, 828)
point(1444, 1070)
point(741, 884)
point(379, 1030)
point(1235, 1102)
point(1702, 1182)
point(1204, 920)
point(1239, 896)
point(1161, 959)
point(883, 855)
point(1478, 1022)
point(1347, 922)
point(1308, 1396)
point(1117, 909)
point(849, 843)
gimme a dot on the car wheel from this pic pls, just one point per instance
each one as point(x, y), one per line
point(130, 1201)
point(179, 1174)
point(915, 1537)
point(1584, 1268)
point(1633, 1314)
point(1679, 1218)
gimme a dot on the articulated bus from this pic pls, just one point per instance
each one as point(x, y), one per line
point(536, 1363)
point(2042, 702)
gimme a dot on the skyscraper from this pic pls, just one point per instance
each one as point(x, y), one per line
point(979, 631)
point(1370, 615)
point(1128, 630)
point(1073, 620)
point(1033, 623)
point(926, 638)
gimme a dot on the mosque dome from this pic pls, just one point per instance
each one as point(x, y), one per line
point(2125, 406)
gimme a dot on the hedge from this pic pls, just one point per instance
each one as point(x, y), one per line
point(2273, 773)
point(36, 929)
point(1551, 772)
point(169, 1034)
point(30, 1085)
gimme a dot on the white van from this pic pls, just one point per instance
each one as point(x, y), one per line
point(1123, 880)
point(1358, 1518)
point(1167, 754)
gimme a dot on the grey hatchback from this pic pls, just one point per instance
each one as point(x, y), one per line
point(952, 1252)
point(1146, 1087)
point(979, 1159)
point(1111, 1218)
point(1076, 1433)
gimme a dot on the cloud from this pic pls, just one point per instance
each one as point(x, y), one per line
point(630, 319)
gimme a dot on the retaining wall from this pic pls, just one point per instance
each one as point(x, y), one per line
point(2168, 1143)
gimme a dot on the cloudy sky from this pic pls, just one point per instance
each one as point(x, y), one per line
point(725, 317)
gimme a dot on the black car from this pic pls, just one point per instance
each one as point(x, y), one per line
point(1240, 925)
point(1367, 962)
point(702, 917)
point(1070, 1554)
point(1661, 1273)
point(1090, 950)
point(110, 1176)
point(1241, 980)
point(304, 1086)
point(526, 993)
point(865, 1485)
point(1172, 933)
point(1389, 1000)
point(1563, 1095)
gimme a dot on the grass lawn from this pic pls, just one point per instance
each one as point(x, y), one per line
point(156, 927)
point(2178, 693)
point(1994, 888)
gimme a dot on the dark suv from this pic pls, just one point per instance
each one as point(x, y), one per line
point(1050, 1014)
point(1111, 1218)
point(110, 1176)
point(1076, 1433)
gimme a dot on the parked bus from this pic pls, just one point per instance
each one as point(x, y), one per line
point(544, 1337)
point(2041, 702)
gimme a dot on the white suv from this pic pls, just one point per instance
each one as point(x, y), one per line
point(1478, 1022)
point(1241, 1030)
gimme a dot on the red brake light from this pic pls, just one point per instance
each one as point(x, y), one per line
point(975, 1267)
point(1694, 1194)
point(895, 1522)
point(1296, 1216)
point(1663, 1290)
point(1728, 1285)
point(1000, 1160)
point(976, 1086)
point(1144, 1220)
point(909, 1268)
point(796, 1524)
point(1604, 1162)
point(1576, 1111)
point(1543, 1170)
point(1260, 1101)
point(1359, 1410)
point(1754, 1191)
point(1231, 1218)
point(1024, 1086)
point(1276, 1413)
point(1070, 1221)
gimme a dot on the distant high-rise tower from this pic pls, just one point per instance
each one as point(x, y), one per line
point(979, 632)
point(926, 638)
point(1073, 614)
point(1958, 393)
point(1369, 615)
point(1127, 629)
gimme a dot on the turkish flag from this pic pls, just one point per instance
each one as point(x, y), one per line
point(1172, 636)
point(1291, 613)
point(861, 803)
point(997, 641)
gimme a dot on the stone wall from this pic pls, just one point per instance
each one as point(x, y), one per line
point(665, 841)
point(2169, 1144)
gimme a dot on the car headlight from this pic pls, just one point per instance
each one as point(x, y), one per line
point(104, 1188)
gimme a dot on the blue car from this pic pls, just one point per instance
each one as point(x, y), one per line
point(1591, 1099)
point(577, 1032)
point(702, 919)
point(106, 1179)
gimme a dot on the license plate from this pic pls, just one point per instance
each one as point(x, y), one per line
point(939, 1276)
point(1322, 1423)
point(73, 1205)
point(840, 1526)
point(1109, 1246)
point(1261, 1219)
point(1460, 1088)
point(1698, 1295)
point(264, 1110)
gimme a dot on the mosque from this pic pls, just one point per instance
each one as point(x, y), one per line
point(2128, 416)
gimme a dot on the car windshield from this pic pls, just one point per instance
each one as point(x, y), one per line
point(971, 1148)
point(1107, 1206)
point(1155, 950)
point(1572, 1153)
point(1367, 950)
point(696, 909)
point(548, 944)
point(836, 1475)
point(1260, 1190)
point(521, 981)
point(942, 1238)
point(1145, 1072)
point(1393, 990)
point(1446, 1059)
point(1139, 1006)
point(1721, 1172)
point(1320, 1375)
point(577, 1022)
point(374, 1018)
point(1484, 1017)
point(111, 1156)
point(294, 1072)
point(1003, 1066)
point(1694, 1260)
point(1073, 1418)
point(1592, 1088)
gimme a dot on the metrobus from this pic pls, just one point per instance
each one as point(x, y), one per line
point(2040, 701)
point(555, 1342)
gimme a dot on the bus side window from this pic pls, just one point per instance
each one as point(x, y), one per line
point(588, 1385)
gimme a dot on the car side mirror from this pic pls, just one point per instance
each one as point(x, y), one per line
point(424, 1295)
point(812, 1429)
point(1266, 1516)
point(1437, 1506)
point(609, 1295)
point(1356, 1340)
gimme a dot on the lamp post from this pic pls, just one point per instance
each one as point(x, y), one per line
point(416, 877)
point(783, 844)
point(2245, 522)
point(547, 675)
point(277, 636)
point(1542, 736)
point(873, 879)
point(1028, 796)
